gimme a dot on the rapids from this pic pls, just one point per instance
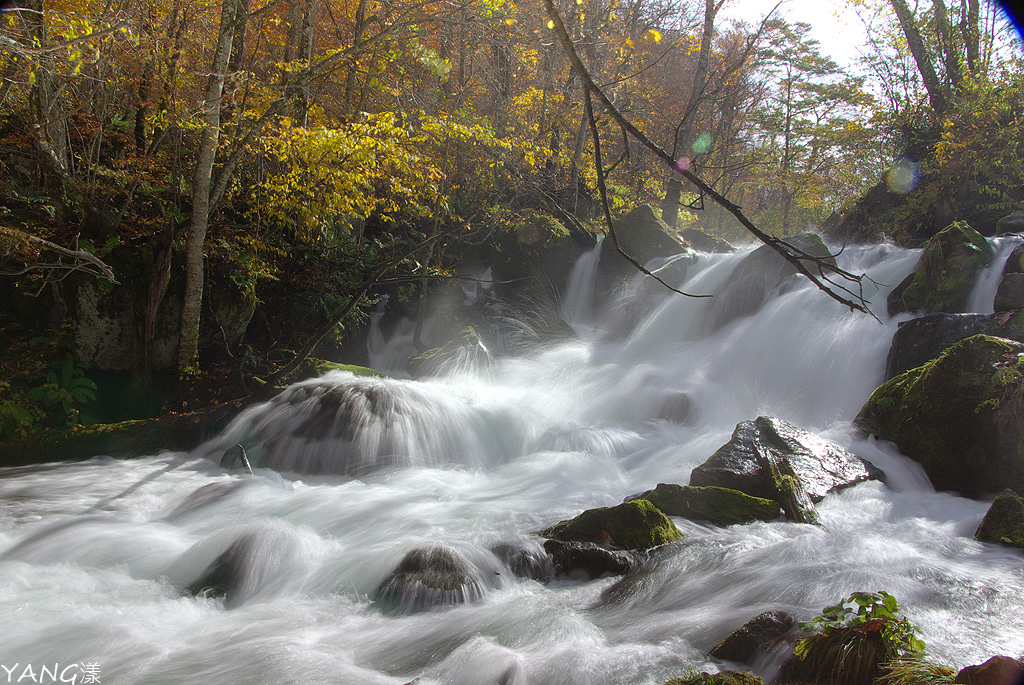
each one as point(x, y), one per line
point(353, 473)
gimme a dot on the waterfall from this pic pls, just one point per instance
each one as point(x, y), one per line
point(170, 569)
point(984, 293)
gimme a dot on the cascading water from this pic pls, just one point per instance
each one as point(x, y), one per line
point(357, 473)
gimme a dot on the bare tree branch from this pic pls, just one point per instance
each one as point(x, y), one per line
point(796, 258)
point(80, 259)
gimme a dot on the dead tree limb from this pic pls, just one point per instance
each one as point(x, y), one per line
point(80, 260)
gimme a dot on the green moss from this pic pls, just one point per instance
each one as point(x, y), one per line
point(948, 269)
point(633, 525)
point(1004, 522)
point(721, 506)
point(722, 678)
point(957, 415)
point(320, 367)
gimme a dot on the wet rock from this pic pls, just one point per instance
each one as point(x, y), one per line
point(207, 494)
point(588, 561)
point(755, 637)
point(720, 678)
point(1011, 223)
point(636, 525)
point(1004, 521)
point(999, 670)
point(1015, 262)
point(720, 506)
point(921, 340)
point(761, 273)
point(958, 416)
point(677, 407)
point(843, 656)
point(533, 563)
point(1010, 294)
point(706, 243)
point(465, 351)
point(950, 264)
point(772, 459)
point(430, 577)
point(253, 562)
point(643, 236)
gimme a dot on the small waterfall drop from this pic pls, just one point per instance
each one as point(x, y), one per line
point(983, 295)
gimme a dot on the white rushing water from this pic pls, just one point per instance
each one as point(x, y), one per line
point(94, 556)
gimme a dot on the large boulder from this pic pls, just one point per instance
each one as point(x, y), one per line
point(758, 275)
point(644, 236)
point(1011, 223)
point(637, 525)
point(1004, 521)
point(720, 506)
point(950, 263)
point(999, 670)
point(755, 637)
point(429, 577)
point(768, 456)
point(705, 242)
point(958, 416)
point(587, 560)
point(1010, 294)
point(920, 340)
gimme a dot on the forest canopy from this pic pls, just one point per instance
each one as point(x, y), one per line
point(257, 145)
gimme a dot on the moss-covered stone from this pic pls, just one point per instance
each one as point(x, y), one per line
point(312, 368)
point(124, 439)
point(466, 350)
point(763, 453)
point(949, 266)
point(959, 416)
point(1004, 521)
point(720, 678)
point(643, 236)
point(632, 525)
point(720, 506)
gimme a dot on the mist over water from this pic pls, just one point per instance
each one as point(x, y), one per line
point(357, 472)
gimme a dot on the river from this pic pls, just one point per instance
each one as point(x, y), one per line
point(357, 472)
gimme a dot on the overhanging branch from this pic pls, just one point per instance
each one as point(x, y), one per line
point(795, 257)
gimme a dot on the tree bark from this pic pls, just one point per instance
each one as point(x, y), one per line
point(936, 94)
point(684, 133)
point(188, 343)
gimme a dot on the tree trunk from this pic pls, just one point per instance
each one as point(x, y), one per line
point(684, 133)
point(936, 94)
point(188, 343)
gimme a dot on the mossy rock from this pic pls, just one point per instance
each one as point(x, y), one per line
point(1004, 521)
point(429, 577)
point(643, 236)
point(946, 273)
point(635, 525)
point(312, 367)
point(923, 339)
point(706, 242)
point(467, 349)
point(755, 637)
point(721, 678)
point(125, 439)
point(720, 506)
point(771, 458)
point(958, 416)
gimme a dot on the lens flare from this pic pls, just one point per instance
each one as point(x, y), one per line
point(702, 144)
point(902, 176)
